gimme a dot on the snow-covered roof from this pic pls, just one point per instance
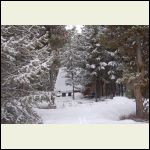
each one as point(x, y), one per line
point(60, 82)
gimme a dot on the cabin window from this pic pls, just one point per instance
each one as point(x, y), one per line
point(69, 94)
point(63, 94)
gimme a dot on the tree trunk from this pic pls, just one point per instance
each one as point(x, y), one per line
point(113, 88)
point(51, 79)
point(119, 93)
point(139, 102)
point(110, 90)
point(73, 87)
point(121, 87)
point(51, 86)
point(73, 92)
point(140, 79)
point(104, 89)
point(100, 89)
point(97, 89)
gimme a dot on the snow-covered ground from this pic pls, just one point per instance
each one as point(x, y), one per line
point(86, 111)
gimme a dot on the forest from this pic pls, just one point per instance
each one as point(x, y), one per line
point(101, 62)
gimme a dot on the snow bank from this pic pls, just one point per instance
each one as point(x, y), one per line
point(84, 111)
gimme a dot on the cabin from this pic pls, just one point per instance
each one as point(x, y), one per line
point(65, 93)
point(61, 89)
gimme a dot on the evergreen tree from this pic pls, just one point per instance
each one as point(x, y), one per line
point(99, 65)
point(27, 57)
point(70, 59)
point(133, 46)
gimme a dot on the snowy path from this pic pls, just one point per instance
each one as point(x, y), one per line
point(81, 111)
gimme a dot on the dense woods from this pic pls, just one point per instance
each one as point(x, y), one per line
point(104, 61)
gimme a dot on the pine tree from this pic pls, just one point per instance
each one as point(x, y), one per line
point(99, 65)
point(132, 44)
point(70, 58)
point(27, 58)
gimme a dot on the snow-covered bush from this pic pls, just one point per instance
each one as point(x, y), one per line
point(15, 112)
